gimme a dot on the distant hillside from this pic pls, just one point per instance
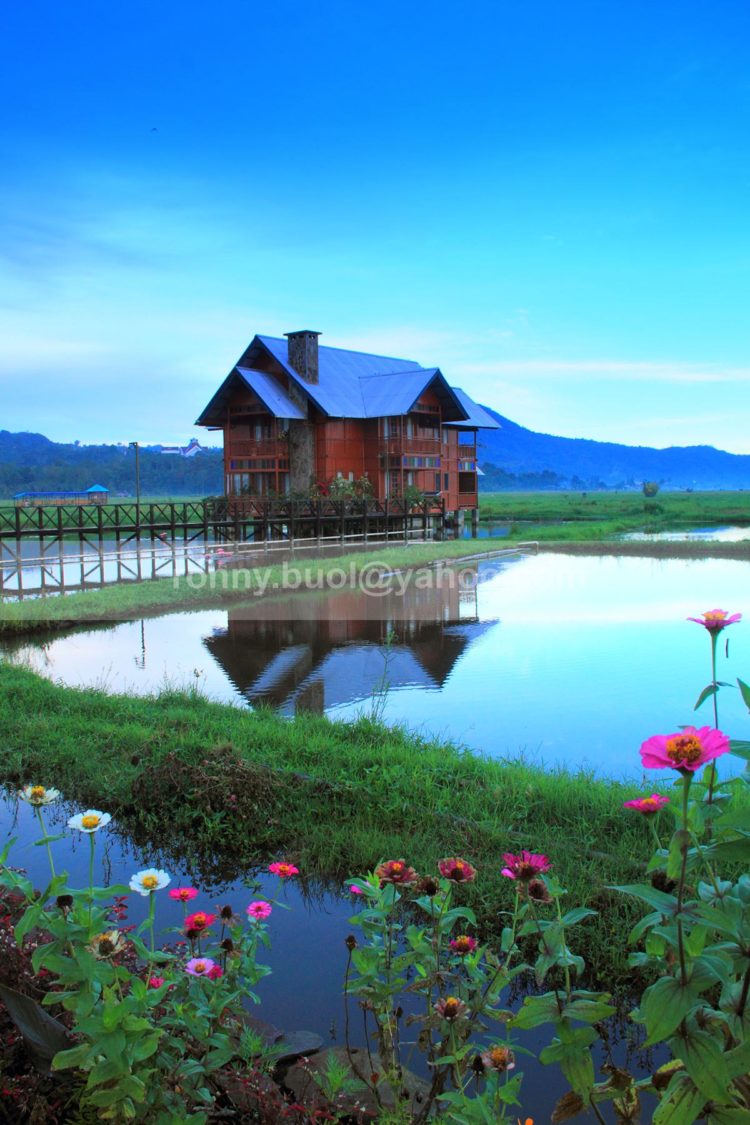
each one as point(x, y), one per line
point(514, 457)
point(33, 463)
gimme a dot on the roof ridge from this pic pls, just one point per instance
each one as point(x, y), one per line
point(346, 351)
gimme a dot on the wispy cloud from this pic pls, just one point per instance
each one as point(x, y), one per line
point(615, 369)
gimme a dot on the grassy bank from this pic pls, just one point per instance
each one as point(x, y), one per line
point(620, 511)
point(236, 787)
point(119, 602)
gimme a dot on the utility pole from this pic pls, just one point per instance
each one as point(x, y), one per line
point(135, 446)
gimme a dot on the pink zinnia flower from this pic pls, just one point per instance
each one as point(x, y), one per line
point(450, 1007)
point(524, 866)
point(687, 749)
point(200, 966)
point(183, 894)
point(215, 972)
point(355, 890)
point(716, 619)
point(283, 870)
point(155, 982)
point(647, 805)
point(199, 921)
point(498, 1058)
point(396, 871)
point(259, 910)
point(463, 944)
point(457, 870)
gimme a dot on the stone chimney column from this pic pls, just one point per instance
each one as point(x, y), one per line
point(302, 354)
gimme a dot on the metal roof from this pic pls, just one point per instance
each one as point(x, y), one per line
point(271, 394)
point(350, 385)
point(478, 418)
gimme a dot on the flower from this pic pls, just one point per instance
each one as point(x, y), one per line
point(215, 972)
point(450, 1008)
point(463, 944)
point(498, 1058)
point(524, 866)
point(428, 886)
point(37, 795)
point(148, 881)
point(90, 821)
point(183, 894)
point(107, 944)
point(200, 966)
point(686, 750)
point(715, 620)
point(647, 805)
point(395, 871)
point(199, 921)
point(457, 870)
point(259, 910)
point(283, 870)
point(155, 982)
point(355, 890)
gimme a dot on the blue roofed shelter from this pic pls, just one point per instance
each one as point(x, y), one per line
point(297, 415)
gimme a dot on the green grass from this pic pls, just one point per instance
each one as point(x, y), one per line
point(235, 787)
point(619, 511)
point(121, 601)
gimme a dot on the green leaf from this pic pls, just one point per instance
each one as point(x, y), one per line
point(536, 1010)
point(74, 1057)
point(663, 1007)
point(707, 692)
point(739, 748)
point(43, 1035)
point(658, 900)
point(705, 1063)
point(744, 692)
point(681, 1103)
point(588, 1011)
point(727, 1115)
point(577, 915)
point(679, 843)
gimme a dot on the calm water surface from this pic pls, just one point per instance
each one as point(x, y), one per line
point(565, 659)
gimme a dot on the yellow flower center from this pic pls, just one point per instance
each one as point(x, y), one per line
point(684, 749)
point(149, 882)
point(500, 1057)
point(38, 792)
point(451, 1007)
point(200, 966)
point(396, 867)
point(715, 617)
point(90, 821)
point(648, 803)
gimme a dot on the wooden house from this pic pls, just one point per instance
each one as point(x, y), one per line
point(297, 415)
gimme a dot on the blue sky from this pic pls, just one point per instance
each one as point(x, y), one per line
point(548, 201)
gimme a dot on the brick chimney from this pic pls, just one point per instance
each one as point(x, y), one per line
point(302, 354)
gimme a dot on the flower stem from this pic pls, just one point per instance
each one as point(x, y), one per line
point(715, 698)
point(151, 910)
point(44, 833)
point(681, 889)
point(92, 846)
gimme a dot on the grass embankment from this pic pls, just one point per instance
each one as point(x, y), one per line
point(123, 601)
point(610, 513)
point(235, 788)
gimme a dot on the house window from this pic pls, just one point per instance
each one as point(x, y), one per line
point(446, 481)
point(437, 482)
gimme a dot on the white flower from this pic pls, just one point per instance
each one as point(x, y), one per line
point(38, 795)
point(90, 821)
point(148, 881)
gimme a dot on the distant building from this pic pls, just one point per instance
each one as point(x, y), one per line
point(296, 415)
point(97, 494)
point(189, 450)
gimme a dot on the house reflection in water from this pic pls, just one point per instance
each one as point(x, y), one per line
point(315, 652)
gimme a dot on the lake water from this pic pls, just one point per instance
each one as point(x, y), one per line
point(565, 659)
point(307, 955)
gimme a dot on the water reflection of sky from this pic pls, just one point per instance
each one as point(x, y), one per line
point(565, 659)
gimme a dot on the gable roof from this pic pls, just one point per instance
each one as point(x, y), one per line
point(350, 385)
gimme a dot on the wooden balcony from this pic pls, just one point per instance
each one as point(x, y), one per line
point(418, 447)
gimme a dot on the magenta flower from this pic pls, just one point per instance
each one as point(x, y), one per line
point(199, 921)
point(688, 749)
point(215, 972)
point(183, 894)
point(259, 910)
point(355, 890)
point(155, 982)
point(647, 805)
point(396, 871)
point(457, 870)
point(450, 1008)
point(716, 619)
point(463, 944)
point(200, 966)
point(524, 866)
point(283, 870)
